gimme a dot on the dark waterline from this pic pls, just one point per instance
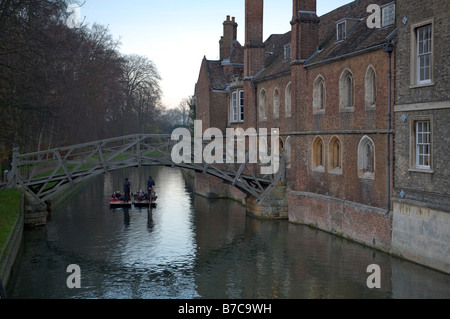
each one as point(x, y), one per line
point(190, 247)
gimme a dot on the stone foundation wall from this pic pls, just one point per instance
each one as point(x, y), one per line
point(212, 187)
point(274, 205)
point(35, 213)
point(421, 234)
point(365, 224)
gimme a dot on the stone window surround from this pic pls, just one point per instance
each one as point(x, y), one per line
point(414, 74)
point(371, 88)
point(319, 97)
point(318, 155)
point(288, 100)
point(344, 93)
point(412, 149)
point(361, 163)
point(262, 105)
point(335, 155)
point(276, 104)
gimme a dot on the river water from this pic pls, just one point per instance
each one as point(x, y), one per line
point(190, 247)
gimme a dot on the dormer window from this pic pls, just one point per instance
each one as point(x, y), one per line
point(287, 51)
point(388, 15)
point(341, 31)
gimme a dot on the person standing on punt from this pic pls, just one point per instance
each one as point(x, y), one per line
point(150, 184)
point(127, 190)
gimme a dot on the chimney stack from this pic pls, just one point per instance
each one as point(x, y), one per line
point(254, 45)
point(305, 29)
point(229, 36)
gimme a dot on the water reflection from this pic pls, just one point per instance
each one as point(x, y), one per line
point(192, 247)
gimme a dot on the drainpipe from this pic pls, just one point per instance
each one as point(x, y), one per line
point(255, 88)
point(389, 48)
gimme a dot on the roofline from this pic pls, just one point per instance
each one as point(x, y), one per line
point(273, 76)
point(373, 48)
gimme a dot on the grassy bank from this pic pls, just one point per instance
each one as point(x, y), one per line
point(9, 212)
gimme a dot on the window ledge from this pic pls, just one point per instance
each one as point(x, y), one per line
point(237, 122)
point(336, 171)
point(421, 170)
point(417, 86)
point(367, 176)
point(319, 112)
point(371, 108)
point(347, 110)
point(319, 169)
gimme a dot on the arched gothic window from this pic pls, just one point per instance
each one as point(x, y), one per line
point(276, 104)
point(366, 158)
point(288, 101)
point(346, 91)
point(371, 88)
point(262, 105)
point(319, 95)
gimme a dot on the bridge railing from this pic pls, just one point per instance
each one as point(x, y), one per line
point(46, 173)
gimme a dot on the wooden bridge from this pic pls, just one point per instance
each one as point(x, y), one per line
point(44, 174)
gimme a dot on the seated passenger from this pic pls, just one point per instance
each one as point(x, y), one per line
point(116, 195)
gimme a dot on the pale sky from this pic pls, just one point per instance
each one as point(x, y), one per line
point(176, 34)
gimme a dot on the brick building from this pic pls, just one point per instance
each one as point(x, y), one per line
point(341, 147)
point(328, 84)
point(421, 226)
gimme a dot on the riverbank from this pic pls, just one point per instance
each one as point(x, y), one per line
point(11, 230)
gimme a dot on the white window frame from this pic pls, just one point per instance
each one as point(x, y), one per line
point(344, 30)
point(419, 55)
point(385, 22)
point(241, 105)
point(237, 106)
point(423, 142)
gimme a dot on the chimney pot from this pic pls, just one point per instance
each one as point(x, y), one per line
point(228, 18)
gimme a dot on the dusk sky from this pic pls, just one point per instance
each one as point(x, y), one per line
point(176, 34)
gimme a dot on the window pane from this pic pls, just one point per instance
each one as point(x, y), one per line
point(424, 53)
point(388, 15)
point(423, 144)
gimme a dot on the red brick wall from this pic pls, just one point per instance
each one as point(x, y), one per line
point(347, 186)
point(361, 223)
point(212, 107)
point(202, 93)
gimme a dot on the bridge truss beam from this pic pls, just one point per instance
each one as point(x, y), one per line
point(47, 173)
